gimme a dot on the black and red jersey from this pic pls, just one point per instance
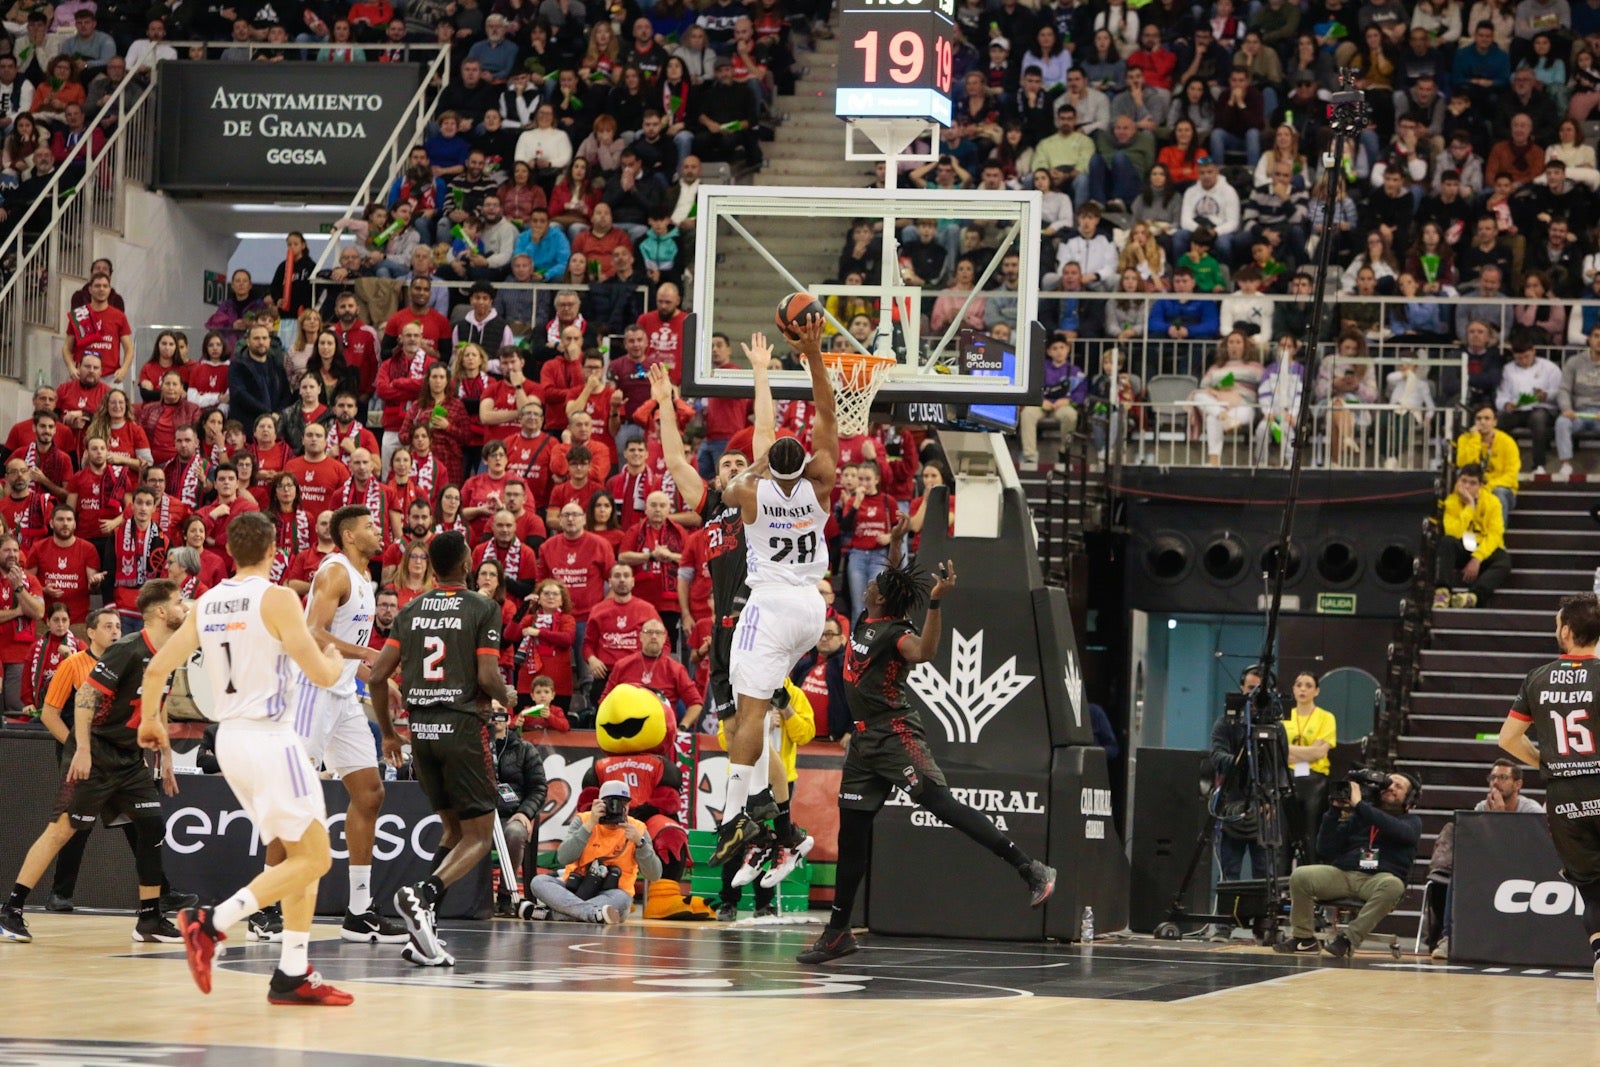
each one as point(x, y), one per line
point(118, 676)
point(725, 554)
point(1558, 700)
point(875, 670)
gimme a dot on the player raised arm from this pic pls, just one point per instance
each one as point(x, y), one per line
point(824, 466)
point(759, 353)
point(684, 474)
point(920, 648)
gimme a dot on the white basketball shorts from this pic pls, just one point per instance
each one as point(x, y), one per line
point(266, 766)
point(777, 626)
point(336, 735)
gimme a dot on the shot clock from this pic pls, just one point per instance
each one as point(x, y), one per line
point(895, 59)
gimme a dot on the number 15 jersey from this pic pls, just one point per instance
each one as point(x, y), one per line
point(440, 635)
point(785, 545)
point(1558, 700)
point(251, 675)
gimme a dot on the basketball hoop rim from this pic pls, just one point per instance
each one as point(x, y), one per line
point(855, 362)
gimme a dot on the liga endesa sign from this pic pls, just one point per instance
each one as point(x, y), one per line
point(276, 127)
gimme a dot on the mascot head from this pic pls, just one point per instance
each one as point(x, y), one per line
point(631, 719)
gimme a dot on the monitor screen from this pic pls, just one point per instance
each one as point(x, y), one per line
point(982, 355)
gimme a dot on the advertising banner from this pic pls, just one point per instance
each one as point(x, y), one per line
point(276, 128)
point(1511, 906)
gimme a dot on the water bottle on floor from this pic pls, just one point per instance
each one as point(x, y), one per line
point(1086, 932)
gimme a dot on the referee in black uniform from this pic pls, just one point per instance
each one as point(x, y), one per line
point(1557, 703)
point(449, 639)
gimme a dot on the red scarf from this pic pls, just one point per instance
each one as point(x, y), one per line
point(136, 560)
point(454, 526)
point(511, 561)
point(48, 652)
point(219, 454)
point(372, 498)
point(425, 473)
point(189, 484)
point(188, 586)
point(339, 437)
point(294, 530)
point(163, 516)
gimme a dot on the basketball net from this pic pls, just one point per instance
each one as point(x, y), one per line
point(856, 378)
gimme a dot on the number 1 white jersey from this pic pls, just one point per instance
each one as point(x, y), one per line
point(251, 676)
point(786, 545)
point(352, 620)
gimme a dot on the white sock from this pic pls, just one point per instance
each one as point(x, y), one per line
point(360, 889)
point(739, 776)
point(234, 908)
point(761, 774)
point(292, 960)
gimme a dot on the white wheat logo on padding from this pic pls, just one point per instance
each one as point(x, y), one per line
point(966, 702)
point(1073, 678)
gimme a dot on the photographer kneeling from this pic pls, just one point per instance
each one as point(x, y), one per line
point(1371, 847)
point(605, 851)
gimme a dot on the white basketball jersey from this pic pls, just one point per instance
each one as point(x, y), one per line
point(250, 674)
point(352, 620)
point(785, 545)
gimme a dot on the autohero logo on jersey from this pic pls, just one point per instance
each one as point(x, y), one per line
point(965, 702)
point(995, 804)
point(194, 829)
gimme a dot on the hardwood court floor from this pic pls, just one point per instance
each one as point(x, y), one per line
point(557, 993)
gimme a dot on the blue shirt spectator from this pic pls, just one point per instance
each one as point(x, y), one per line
point(549, 250)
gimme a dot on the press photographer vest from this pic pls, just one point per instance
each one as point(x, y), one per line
point(610, 846)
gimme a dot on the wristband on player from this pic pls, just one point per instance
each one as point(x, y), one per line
point(933, 605)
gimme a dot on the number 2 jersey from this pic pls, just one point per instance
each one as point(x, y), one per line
point(784, 546)
point(440, 635)
point(1558, 699)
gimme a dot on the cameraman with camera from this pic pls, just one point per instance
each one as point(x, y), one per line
point(1370, 837)
point(519, 779)
point(1238, 827)
point(605, 853)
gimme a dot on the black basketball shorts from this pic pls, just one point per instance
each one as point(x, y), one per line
point(885, 755)
point(454, 763)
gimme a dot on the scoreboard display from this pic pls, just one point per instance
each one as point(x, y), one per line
point(895, 59)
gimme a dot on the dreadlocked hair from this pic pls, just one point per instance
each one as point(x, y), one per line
point(904, 589)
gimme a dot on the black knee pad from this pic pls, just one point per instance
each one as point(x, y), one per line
point(148, 830)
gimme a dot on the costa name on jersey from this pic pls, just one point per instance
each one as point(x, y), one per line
point(1557, 699)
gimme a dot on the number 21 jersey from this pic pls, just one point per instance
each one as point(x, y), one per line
point(1558, 699)
point(784, 545)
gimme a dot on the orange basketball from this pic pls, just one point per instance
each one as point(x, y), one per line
point(794, 311)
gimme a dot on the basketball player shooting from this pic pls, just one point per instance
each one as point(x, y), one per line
point(250, 632)
point(780, 500)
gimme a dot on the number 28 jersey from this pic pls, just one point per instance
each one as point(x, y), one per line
point(1558, 699)
point(251, 676)
point(785, 544)
point(441, 634)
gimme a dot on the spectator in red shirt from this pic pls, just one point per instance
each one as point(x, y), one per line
point(141, 550)
point(484, 494)
point(419, 527)
point(614, 623)
point(403, 479)
point(231, 500)
point(694, 581)
point(170, 511)
point(293, 523)
point(578, 487)
point(600, 401)
point(654, 668)
point(385, 606)
point(171, 412)
point(249, 485)
point(447, 513)
point(632, 485)
point(654, 548)
point(470, 383)
point(489, 578)
point(303, 567)
point(725, 415)
point(21, 607)
point(580, 561)
point(400, 381)
point(601, 518)
point(49, 463)
point(318, 474)
point(168, 357)
point(433, 328)
point(359, 342)
point(531, 529)
point(271, 454)
point(426, 470)
point(22, 434)
point(102, 329)
point(631, 372)
point(96, 493)
point(67, 566)
point(865, 517)
point(363, 487)
point(81, 396)
point(580, 434)
point(664, 326)
point(25, 508)
point(127, 446)
point(545, 635)
point(563, 378)
point(503, 400)
point(183, 567)
point(518, 563)
point(597, 242)
point(415, 575)
point(529, 451)
point(54, 645)
point(186, 470)
point(213, 567)
point(439, 409)
point(345, 434)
